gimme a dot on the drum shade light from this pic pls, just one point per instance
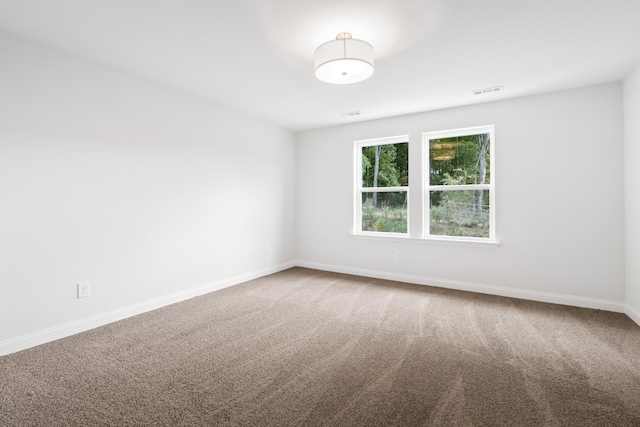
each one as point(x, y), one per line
point(344, 60)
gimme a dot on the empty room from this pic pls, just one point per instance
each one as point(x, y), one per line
point(336, 213)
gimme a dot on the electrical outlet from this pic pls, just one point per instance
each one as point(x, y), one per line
point(267, 251)
point(398, 255)
point(84, 289)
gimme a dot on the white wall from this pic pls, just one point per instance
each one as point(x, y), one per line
point(632, 191)
point(139, 189)
point(148, 192)
point(559, 189)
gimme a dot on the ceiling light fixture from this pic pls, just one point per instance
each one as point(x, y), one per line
point(344, 60)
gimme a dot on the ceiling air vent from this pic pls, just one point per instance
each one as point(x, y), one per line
point(350, 114)
point(488, 90)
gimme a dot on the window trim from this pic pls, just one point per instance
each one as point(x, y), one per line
point(417, 236)
point(391, 237)
point(427, 187)
point(359, 189)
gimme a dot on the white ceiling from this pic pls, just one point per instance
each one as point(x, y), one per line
point(256, 56)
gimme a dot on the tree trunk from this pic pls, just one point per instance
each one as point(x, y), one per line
point(483, 141)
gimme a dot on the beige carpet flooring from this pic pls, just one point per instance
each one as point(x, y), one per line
point(305, 347)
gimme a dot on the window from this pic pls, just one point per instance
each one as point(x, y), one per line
point(459, 188)
point(382, 185)
point(456, 195)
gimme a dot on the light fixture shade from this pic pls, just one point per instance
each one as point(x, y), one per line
point(344, 60)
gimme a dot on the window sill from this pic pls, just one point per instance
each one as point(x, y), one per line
point(427, 240)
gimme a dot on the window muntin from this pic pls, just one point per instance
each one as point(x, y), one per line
point(459, 187)
point(382, 204)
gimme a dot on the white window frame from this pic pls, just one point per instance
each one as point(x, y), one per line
point(426, 138)
point(359, 189)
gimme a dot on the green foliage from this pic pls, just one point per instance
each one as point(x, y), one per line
point(367, 168)
point(385, 218)
point(458, 153)
point(459, 160)
point(393, 166)
point(402, 163)
point(457, 214)
point(456, 177)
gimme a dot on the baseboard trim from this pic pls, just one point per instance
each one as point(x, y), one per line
point(632, 313)
point(33, 339)
point(614, 306)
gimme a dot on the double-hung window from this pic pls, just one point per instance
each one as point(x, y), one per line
point(382, 185)
point(457, 190)
point(459, 184)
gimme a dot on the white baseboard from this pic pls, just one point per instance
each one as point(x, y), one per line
point(23, 342)
point(615, 306)
point(33, 339)
point(632, 313)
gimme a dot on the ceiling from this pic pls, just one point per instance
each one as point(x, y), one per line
point(256, 56)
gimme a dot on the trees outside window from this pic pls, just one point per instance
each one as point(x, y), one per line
point(458, 186)
point(383, 185)
point(459, 192)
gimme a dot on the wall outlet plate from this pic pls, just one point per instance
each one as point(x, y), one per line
point(84, 289)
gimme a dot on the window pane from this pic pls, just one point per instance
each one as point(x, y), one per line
point(385, 165)
point(384, 212)
point(459, 160)
point(459, 213)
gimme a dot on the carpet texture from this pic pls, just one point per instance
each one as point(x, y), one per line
point(305, 347)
